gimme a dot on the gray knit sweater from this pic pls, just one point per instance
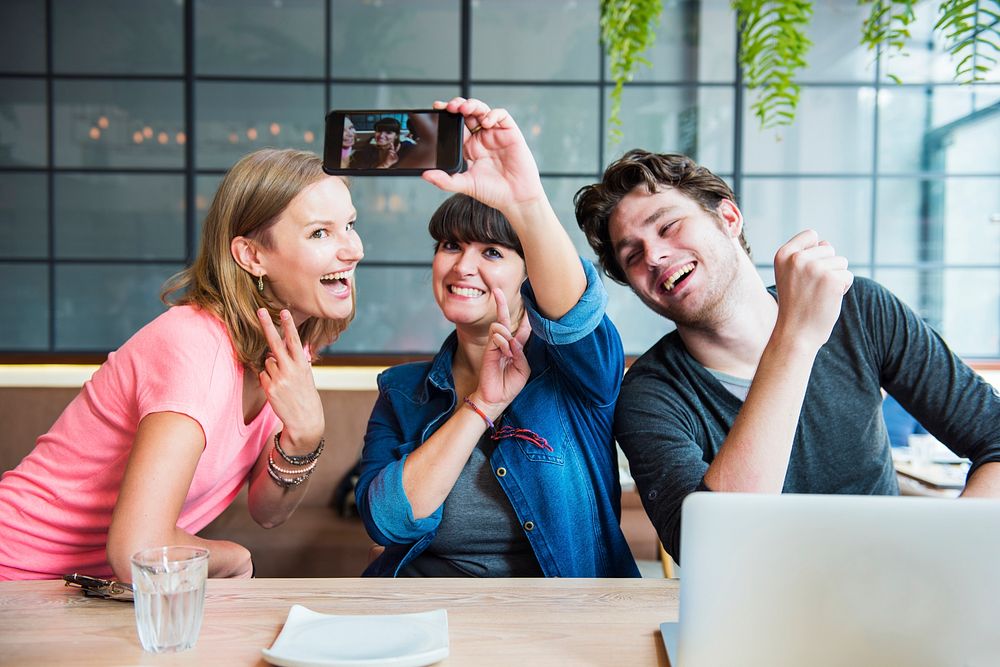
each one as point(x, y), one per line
point(673, 415)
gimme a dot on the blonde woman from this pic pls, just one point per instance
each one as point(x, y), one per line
point(215, 393)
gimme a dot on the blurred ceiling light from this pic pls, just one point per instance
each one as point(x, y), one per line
point(147, 132)
point(309, 136)
point(102, 122)
point(162, 137)
point(252, 134)
point(233, 137)
point(137, 137)
point(275, 129)
point(94, 133)
point(181, 138)
point(536, 129)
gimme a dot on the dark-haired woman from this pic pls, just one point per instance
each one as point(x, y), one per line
point(496, 457)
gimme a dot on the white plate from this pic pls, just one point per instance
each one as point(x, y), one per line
point(311, 639)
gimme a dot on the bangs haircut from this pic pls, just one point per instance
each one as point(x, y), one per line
point(463, 219)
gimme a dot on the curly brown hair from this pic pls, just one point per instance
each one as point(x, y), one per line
point(595, 203)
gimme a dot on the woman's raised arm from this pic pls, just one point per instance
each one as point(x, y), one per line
point(503, 174)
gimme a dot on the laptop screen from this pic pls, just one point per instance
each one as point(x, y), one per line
point(838, 580)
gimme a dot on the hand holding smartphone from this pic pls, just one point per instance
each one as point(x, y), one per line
point(392, 142)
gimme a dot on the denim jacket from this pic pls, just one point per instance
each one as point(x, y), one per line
point(568, 500)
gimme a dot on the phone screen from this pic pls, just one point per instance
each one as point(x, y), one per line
point(392, 142)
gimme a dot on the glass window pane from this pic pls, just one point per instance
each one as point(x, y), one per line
point(22, 123)
point(836, 53)
point(392, 217)
point(639, 326)
point(957, 103)
point(560, 123)
point(697, 122)
point(939, 129)
point(556, 39)
point(561, 191)
point(776, 209)
point(24, 215)
point(205, 187)
point(396, 313)
point(99, 307)
point(695, 41)
point(26, 326)
point(237, 118)
point(963, 305)
point(395, 39)
point(833, 132)
point(118, 36)
point(971, 144)
point(951, 220)
point(260, 37)
point(389, 96)
point(972, 311)
point(22, 36)
point(118, 215)
point(119, 124)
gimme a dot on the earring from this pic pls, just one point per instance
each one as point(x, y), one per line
point(260, 283)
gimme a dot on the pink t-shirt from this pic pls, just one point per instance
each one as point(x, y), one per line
point(55, 506)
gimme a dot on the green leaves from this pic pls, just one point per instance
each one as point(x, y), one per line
point(774, 46)
point(970, 30)
point(887, 29)
point(627, 30)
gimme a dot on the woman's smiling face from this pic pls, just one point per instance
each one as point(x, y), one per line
point(311, 253)
point(464, 275)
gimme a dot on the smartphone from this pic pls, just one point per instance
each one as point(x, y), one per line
point(392, 142)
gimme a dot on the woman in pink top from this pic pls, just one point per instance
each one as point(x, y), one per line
point(215, 393)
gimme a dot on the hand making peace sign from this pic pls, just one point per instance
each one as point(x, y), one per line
point(288, 383)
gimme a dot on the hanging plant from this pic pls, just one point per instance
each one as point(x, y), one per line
point(774, 45)
point(773, 50)
point(970, 30)
point(887, 28)
point(627, 31)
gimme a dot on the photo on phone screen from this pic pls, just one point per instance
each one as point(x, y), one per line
point(392, 142)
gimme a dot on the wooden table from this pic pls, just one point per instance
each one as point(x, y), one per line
point(491, 621)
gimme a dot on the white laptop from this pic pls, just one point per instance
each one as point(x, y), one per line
point(816, 581)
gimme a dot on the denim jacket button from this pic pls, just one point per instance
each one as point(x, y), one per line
point(529, 525)
point(501, 472)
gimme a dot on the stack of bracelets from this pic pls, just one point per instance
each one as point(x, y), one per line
point(300, 475)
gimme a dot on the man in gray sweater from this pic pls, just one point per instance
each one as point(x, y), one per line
point(765, 389)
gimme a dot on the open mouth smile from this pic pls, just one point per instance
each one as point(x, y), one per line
point(340, 279)
point(471, 292)
point(677, 277)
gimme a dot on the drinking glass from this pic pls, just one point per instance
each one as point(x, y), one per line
point(169, 589)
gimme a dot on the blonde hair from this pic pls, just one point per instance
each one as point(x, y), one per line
point(251, 197)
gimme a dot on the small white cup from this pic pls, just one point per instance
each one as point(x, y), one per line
point(169, 591)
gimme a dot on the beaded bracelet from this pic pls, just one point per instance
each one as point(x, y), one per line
point(298, 460)
point(286, 483)
point(475, 408)
point(285, 471)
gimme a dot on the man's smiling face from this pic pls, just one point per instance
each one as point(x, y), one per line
point(678, 258)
